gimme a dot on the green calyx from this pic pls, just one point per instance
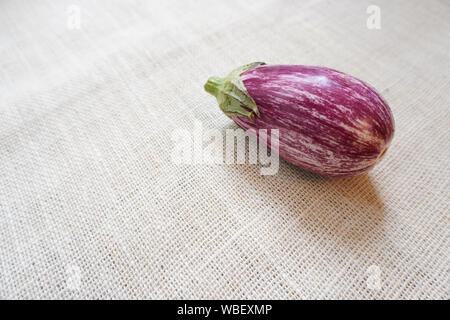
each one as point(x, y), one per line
point(231, 93)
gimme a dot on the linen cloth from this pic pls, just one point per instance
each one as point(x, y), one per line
point(92, 205)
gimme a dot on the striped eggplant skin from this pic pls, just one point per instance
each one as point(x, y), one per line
point(329, 122)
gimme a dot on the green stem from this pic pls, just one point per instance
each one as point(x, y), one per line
point(213, 84)
point(231, 94)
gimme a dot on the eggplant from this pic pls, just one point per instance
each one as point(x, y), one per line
point(329, 122)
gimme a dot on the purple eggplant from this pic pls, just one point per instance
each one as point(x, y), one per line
point(329, 122)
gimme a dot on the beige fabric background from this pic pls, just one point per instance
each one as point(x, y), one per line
point(91, 205)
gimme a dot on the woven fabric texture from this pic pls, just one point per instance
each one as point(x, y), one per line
point(93, 206)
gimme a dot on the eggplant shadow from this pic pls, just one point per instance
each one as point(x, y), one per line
point(345, 209)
